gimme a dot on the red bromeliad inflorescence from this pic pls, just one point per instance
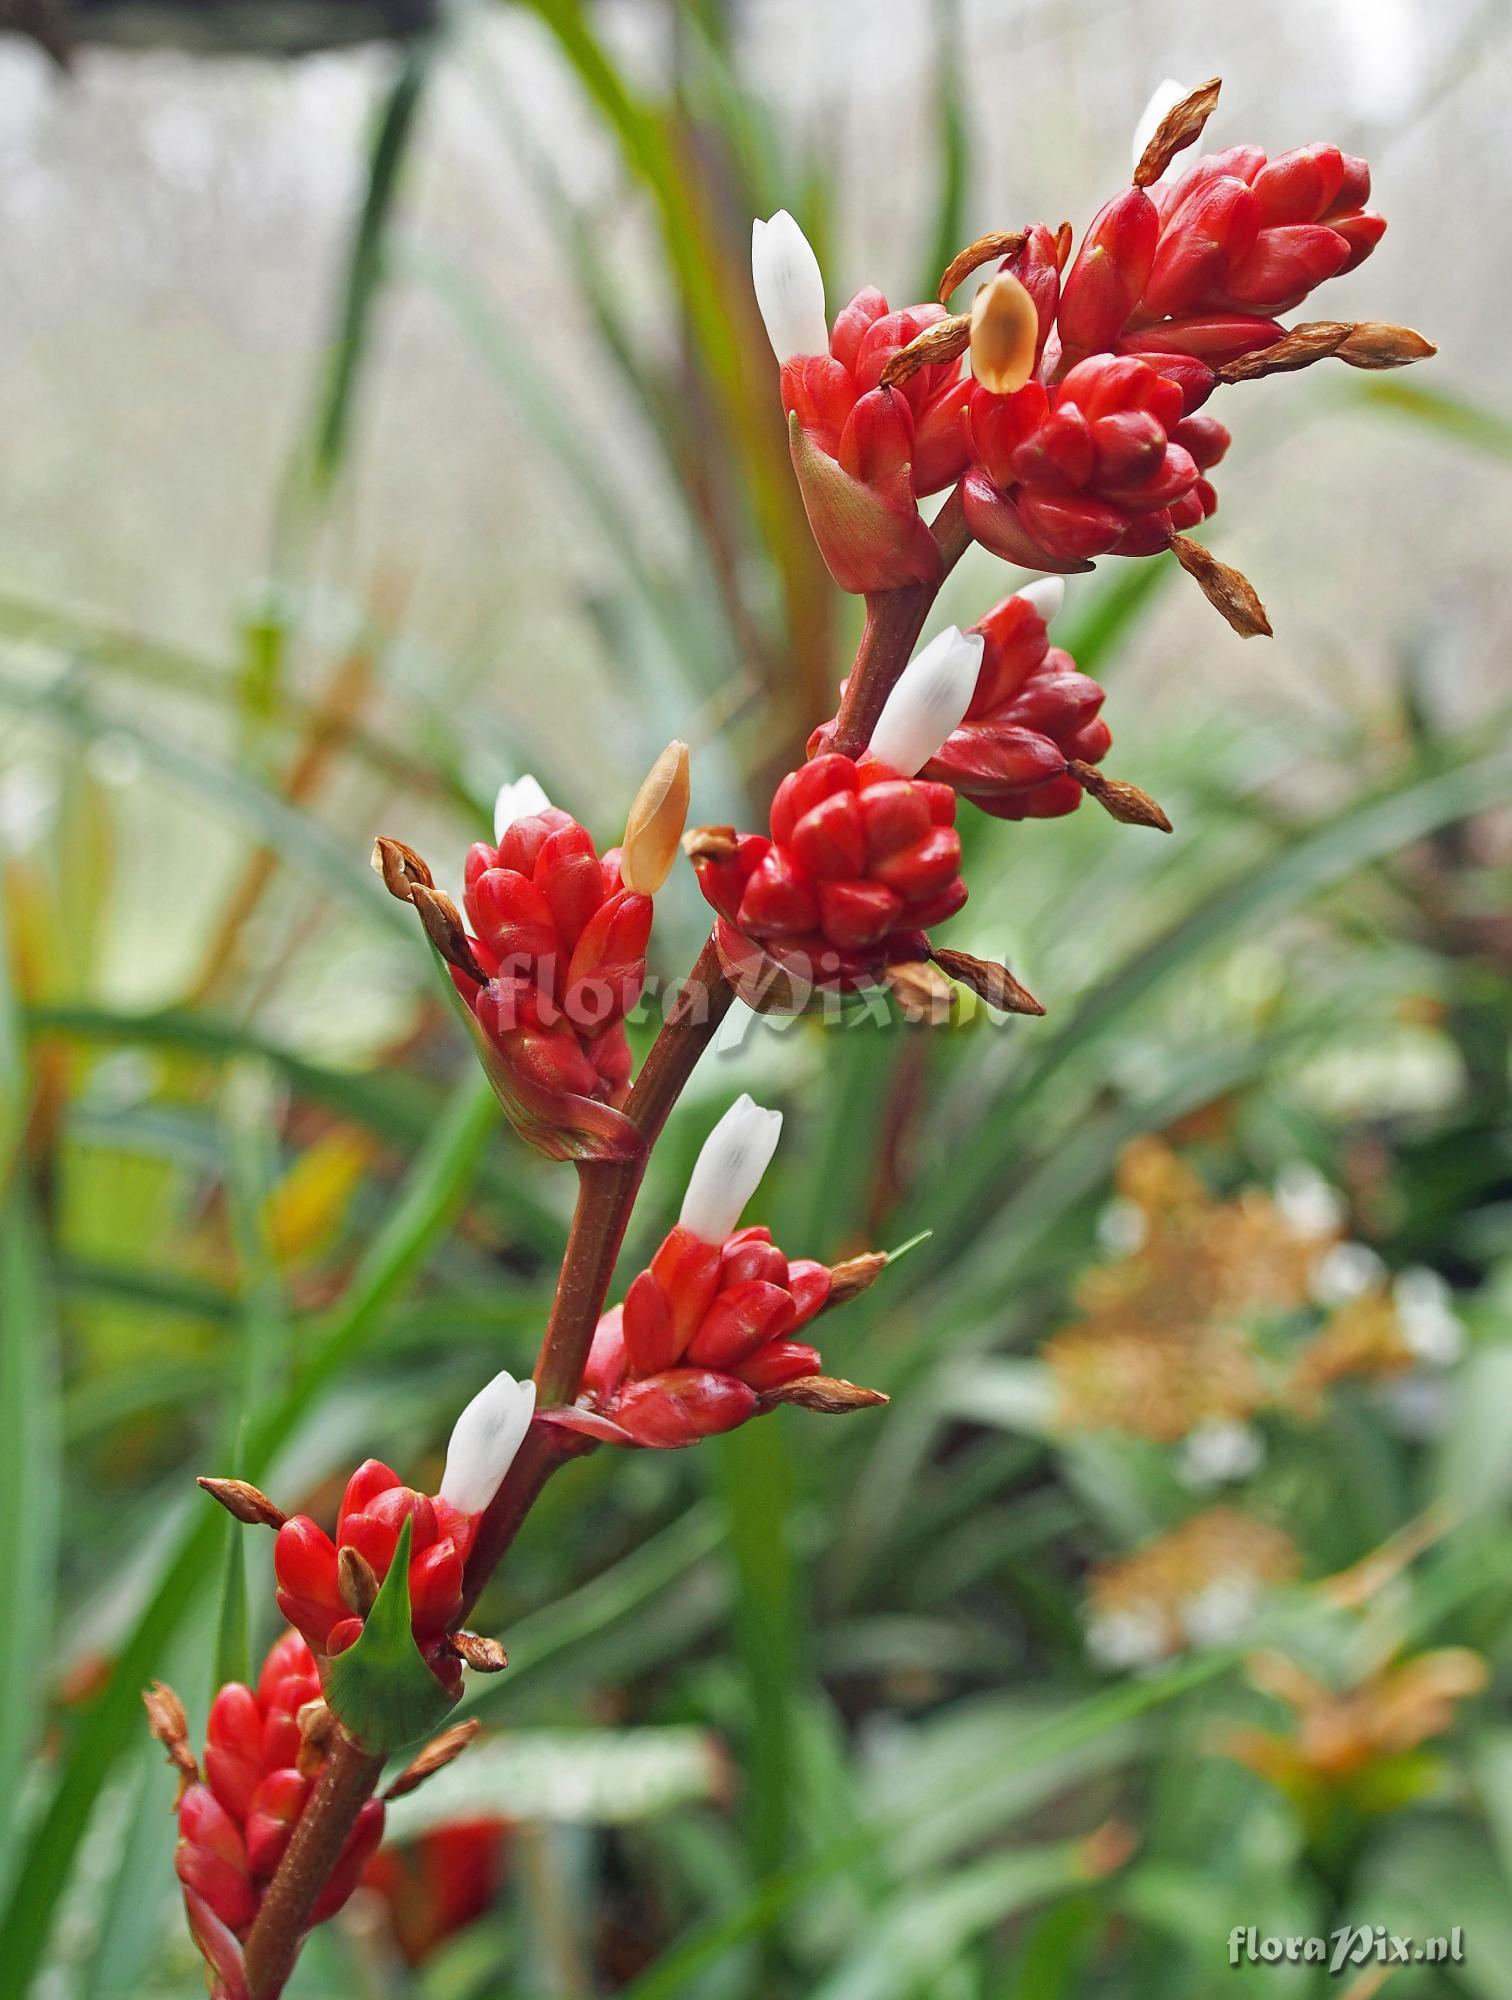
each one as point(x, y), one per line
point(705, 1335)
point(1067, 411)
point(1074, 433)
point(235, 1825)
point(562, 943)
point(328, 1601)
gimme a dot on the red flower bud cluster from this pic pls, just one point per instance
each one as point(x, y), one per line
point(563, 943)
point(1031, 713)
point(234, 1827)
point(374, 1508)
point(826, 391)
point(859, 863)
point(702, 1334)
point(1107, 461)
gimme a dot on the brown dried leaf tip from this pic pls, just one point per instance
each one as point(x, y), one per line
point(710, 843)
point(446, 930)
point(400, 867)
point(241, 1498)
point(1227, 590)
point(356, 1580)
point(1181, 127)
point(996, 243)
point(849, 1279)
point(826, 1393)
point(1365, 343)
point(1123, 801)
point(484, 1656)
point(170, 1725)
point(437, 1754)
point(946, 340)
point(989, 981)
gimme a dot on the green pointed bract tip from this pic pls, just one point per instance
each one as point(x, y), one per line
point(380, 1689)
point(904, 1248)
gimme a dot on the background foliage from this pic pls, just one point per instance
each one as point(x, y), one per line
point(811, 1710)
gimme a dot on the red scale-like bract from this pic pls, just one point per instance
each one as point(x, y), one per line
point(564, 945)
point(1031, 713)
point(373, 1512)
point(234, 1827)
point(824, 390)
point(1106, 462)
point(702, 1334)
point(859, 863)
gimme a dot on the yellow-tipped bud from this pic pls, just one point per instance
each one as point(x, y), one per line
point(1004, 335)
point(656, 822)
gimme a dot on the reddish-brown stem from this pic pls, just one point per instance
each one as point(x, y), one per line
point(606, 1196)
point(894, 620)
point(345, 1783)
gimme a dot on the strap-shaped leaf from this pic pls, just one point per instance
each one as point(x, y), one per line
point(380, 1689)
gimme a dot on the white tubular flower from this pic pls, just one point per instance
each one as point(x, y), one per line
point(1309, 1205)
point(789, 287)
point(1046, 594)
point(932, 696)
point(1425, 1311)
point(517, 801)
point(728, 1170)
point(484, 1441)
point(1165, 97)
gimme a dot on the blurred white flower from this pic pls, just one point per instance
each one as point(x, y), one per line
point(1221, 1610)
point(1344, 1272)
point(1309, 1204)
point(1424, 1308)
point(1127, 1638)
point(1219, 1451)
point(1123, 1228)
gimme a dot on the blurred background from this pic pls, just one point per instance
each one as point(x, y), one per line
point(385, 413)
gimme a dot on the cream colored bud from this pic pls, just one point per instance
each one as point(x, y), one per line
point(656, 822)
point(1004, 335)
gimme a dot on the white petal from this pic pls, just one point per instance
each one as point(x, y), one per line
point(789, 287)
point(728, 1170)
point(1047, 594)
point(933, 693)
point(484, 1441)
point(1425, 1312)
point(517, 801)
point(1345, 1272)
point(1163, 98)
point(1309, 1205)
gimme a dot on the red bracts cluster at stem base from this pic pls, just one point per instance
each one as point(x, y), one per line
point(234, 1827)
point(823, 392)
point(702, 1335)
point(859, 863)
point(563, 943)
point(1106, 462)
point(306, 1563)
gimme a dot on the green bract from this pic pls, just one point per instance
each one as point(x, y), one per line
point(380, 1689)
